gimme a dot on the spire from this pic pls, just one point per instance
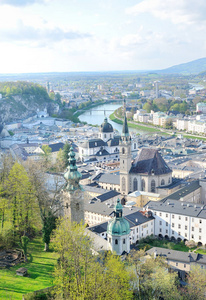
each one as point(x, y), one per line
point(72, 175)
point(125, 130)
point(118, 209)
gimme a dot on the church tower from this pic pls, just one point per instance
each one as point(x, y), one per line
point(72, 193)
point(125, 158)
point(118, 230)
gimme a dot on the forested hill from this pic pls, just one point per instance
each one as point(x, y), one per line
point(22, 99)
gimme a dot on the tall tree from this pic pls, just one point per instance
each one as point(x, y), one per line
point(196, 283)
point(79, 274)
point(21, 199)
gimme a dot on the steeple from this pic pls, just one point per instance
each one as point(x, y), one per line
point(125, 130)
point(72, 192)
point(72, 175)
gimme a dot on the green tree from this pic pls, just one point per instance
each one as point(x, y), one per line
point(22, 206)
point(196, 283)
point(154, 279)
point(24, 246)
point(66, 150)
point(79, 274)
point(46, 155)
point(148, 107)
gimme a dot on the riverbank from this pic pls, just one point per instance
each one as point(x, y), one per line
point(115, 119)
point(150, 128)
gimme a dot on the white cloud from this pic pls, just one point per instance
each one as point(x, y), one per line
point(41, 36)
point(21, 2)
point(177, 11)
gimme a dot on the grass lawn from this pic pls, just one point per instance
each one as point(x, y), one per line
point(201, 251)
point(40, 268)
point(164, 244)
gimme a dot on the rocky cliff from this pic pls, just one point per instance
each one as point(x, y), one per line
point(22, 103)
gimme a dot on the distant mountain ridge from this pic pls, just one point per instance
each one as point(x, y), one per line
point(193, 67)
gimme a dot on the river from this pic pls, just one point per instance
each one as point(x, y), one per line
point(96, 115)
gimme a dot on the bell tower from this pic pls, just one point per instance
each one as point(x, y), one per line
point(72, 192)
point(125, 158)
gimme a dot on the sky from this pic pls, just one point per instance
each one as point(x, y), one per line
point(100, 35)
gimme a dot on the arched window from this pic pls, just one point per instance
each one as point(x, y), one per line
point(105, 136)
point(116, 242)
point(135, 186)
point(162, 182)
point(123, 184)
point(123, 241)
point(123, 151)
point(135, 145)
point(169, 180)
point(153, 186)
point(143, 185)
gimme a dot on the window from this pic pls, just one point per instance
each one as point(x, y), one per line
point(200, 237)
point(160, 230)
point(173, 216)
point(137, 229)
point(185, 234)
point(123, 151)
point(123, 241)
point(179, 226)
point(143, 185)
point(166, 231)
point(173, 232)
point(160, 214)
point(185, 218)
point(155, 213)
point(192, 228)
point(160, 222)
point(184, 265)
point(135, 186)
point(179, 218)
point(77, 206)
point(123, 184)
point(192, 236)
point(200, 221)
point(185, 227)
point(153, 186)
point(200, 230)
point(176, 264)
point(179, 233)
point(105, 135)
point(116, 242)
point(166, 215)
point(169, 180)
point(173, 225)
point(162, 182)
point(166, 223)
point(135, 146)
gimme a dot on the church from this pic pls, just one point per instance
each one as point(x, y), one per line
point(103, 148)
point(147, 172)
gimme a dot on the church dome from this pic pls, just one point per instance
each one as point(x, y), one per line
point(106, 127)
point(118, 225)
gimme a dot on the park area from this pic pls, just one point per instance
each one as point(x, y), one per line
point(40, 268)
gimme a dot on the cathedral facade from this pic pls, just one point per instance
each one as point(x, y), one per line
point(147, 172)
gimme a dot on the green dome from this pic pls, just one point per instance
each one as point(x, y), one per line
point(118, 225)
point(106, 127)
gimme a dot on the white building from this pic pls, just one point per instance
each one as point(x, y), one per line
point(179, 220)
point(201, 107)
point(182, 124)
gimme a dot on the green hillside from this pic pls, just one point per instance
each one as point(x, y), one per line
point(192, 67)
